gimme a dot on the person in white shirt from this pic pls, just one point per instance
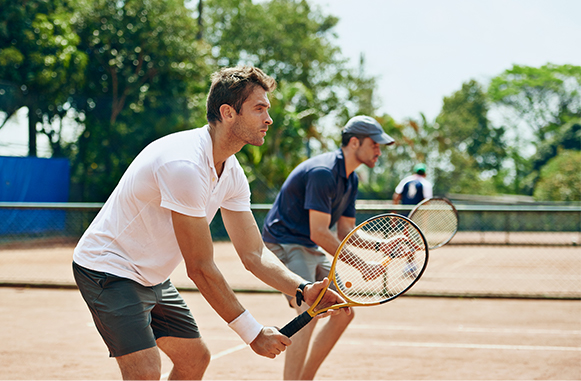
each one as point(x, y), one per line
point(159, 215)
point(414, 188)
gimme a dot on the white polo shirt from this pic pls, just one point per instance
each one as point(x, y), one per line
point(133, 236)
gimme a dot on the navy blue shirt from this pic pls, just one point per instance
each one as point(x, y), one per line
point(413, 192)
point(319, 183)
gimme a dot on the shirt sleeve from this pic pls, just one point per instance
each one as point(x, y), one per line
point(320, 190)
point(184, 188)
point(399, 187)
point(428, 190)
point(238, 199)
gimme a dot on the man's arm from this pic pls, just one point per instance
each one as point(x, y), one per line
point(323, 236)
point(396, 198)
point(247, 240)
point(195, 241)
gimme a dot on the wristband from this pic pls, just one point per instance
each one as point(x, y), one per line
point(300, 289)
point(246, 326)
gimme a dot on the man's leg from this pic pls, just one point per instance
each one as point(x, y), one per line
point(141, 365)
point(324, 341)
point(190, 357)
point(296, 353)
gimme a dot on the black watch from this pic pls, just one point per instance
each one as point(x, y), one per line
point(299, 295)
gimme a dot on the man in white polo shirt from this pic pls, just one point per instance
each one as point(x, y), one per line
point(159, 215)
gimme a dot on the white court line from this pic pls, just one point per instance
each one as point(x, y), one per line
point(460, 328)
point(463, 346)
point(216, 356)
point(228, 351)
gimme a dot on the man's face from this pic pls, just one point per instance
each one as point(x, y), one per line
point(253, 120)
point(368, 152)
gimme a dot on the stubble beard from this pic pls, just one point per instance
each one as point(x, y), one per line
point(241, 132)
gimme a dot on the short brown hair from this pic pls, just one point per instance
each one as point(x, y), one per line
point(346, 138)
point(232, 86)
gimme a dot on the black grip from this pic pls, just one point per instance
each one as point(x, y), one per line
point(296, 324)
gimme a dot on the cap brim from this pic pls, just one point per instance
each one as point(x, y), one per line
point(382, 139)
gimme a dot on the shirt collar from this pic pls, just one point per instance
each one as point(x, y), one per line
point(341, 163)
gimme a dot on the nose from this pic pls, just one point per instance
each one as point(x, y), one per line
point(268, 119)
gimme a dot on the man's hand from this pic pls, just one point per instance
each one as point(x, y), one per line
point(270, 343)
point(330, 298)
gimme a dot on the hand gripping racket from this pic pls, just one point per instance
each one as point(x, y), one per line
point(438, 220)
point(377, 261)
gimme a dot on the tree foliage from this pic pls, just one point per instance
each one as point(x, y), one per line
point(560, 178)
point(470, 149)
point(542, 98)
point(132, 71)
point(145, 79)
point(40, 65)
point(541, 106)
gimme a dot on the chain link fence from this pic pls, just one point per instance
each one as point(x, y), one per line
point(499, 251)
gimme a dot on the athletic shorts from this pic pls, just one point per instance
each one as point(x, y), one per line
point(310, 263)
point(130, 316)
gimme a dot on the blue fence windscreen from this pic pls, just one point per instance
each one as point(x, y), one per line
point(32, 179)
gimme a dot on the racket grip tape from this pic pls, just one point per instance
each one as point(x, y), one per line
point(296, 324)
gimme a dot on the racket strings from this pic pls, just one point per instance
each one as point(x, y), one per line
point(438, 220)
point(394, 255)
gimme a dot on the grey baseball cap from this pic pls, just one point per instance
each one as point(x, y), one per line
point(366, 125)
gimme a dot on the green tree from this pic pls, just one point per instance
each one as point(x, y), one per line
point(472, 150)
point(146, 78)
point(560, 178)
point(542, 99)
point(540, 107)
point(40, 64)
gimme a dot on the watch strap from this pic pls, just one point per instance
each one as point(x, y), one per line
point(300, 297)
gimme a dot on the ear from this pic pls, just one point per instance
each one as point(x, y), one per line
point(354, 142)
point(227, 112)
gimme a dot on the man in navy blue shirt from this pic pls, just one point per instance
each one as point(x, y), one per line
point(318, 195)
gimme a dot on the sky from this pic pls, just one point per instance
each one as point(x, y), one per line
point(424, 50)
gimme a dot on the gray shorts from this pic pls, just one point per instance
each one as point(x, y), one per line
point(129, 316)
point(310, 263)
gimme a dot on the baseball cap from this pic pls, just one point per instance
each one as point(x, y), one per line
point(420, 167)
point(366, 125)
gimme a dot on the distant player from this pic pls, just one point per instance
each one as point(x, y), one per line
point(414, 188)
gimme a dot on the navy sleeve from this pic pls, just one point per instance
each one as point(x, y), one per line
point(320, 190)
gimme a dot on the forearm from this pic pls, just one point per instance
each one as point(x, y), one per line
point(257, 259)
point(268, 268)
point(326, 239)
point(396, 198)
point(214, 288)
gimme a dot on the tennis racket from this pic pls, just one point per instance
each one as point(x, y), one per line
point(377, 261)
point(438, 220)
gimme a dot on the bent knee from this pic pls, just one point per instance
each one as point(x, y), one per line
point(344, 318)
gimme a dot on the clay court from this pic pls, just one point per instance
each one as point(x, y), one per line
point(48, 333)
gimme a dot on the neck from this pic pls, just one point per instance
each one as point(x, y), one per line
point(222, 146)
point(351, 162)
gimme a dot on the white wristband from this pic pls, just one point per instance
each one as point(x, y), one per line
point(246, 327)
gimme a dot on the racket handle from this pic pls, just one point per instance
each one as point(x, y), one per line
point(296, 324)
